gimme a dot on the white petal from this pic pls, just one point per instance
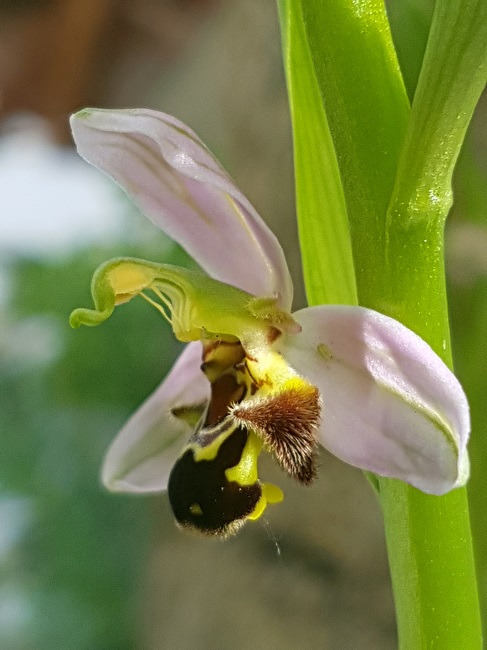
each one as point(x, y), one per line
point(142, 455)
point(176, 182)
point(390, 404)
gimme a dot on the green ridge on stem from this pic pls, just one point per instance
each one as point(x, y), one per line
point(398, 246)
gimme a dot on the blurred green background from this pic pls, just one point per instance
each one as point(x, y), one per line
point(83, 569)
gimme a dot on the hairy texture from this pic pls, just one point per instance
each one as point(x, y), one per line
point(287, 424)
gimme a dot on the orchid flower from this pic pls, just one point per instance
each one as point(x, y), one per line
point(254, 376)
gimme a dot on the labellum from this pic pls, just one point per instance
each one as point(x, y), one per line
point(214, 486)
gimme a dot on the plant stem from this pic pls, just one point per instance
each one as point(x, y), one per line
point(398, 252)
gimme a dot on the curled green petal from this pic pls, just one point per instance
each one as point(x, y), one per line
point(196, 306)
point(104, 299)
point(89, 317)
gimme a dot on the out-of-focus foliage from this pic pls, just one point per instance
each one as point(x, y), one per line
point(70, 553)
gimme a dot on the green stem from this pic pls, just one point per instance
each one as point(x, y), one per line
point(367, 109)
point(398, 252)
point(452, 78)
point(432, 569)
point(453, 75)
point(429, 539)
point(320, 203)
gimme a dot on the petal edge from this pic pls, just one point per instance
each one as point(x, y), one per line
point(390, 404)
point(141, 457)
point(173, 178)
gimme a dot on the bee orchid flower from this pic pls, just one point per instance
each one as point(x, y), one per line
point(254, 376)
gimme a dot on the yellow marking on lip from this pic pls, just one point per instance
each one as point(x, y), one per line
point(195, 509)
point(245, 473)
point(270, 494)
point(209, 452)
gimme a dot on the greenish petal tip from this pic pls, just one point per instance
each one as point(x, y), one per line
point(88, 317)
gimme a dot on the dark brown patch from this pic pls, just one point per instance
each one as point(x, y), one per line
point(273, 334)
point(224, 391)
point(287, 424)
